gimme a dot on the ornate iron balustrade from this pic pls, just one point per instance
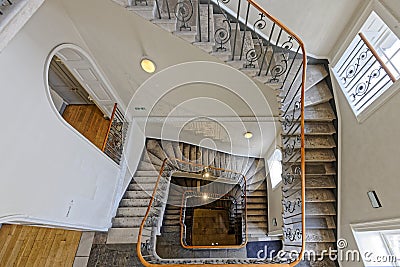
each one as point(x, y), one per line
point(4, 3)
point(363, 74)
point(265, 49)
point(116, 134)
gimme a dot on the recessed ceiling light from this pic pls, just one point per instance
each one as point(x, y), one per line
point(248, 135)
point(148, 65)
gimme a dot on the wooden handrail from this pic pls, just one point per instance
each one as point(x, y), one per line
point(109, 127)
point(302, 139)
point(302, 142)
point(378, 58)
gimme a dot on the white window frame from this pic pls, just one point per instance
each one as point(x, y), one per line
point(394, 24)
point(272, 160)
point(376, 228)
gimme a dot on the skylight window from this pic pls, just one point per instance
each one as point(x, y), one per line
point(370, 65)
point(275, 168)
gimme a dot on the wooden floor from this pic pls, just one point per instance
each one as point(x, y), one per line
point(35, 246)
point(211, 226)
point(89, 121)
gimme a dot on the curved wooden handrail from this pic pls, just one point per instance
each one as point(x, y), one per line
point(109, 127)
point(302, 143)
point(138, 245)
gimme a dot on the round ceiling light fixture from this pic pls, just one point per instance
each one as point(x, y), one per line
point(206, 173)
point(148, 65)
point(248, 135)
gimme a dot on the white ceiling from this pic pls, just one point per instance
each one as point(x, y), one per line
point(319, 23)
point(120, 39)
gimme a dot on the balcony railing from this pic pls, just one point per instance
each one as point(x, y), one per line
point(116, 134)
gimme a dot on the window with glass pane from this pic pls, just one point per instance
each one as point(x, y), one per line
point(370, 65)
point(392, 241)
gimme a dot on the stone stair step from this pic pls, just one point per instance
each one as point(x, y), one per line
point(171, 228)
point(205, 46)
point(313, 128)
point(320, 112)
point(257, 231)
point(134, 202)
point(319, 141)
point(131, 211)
point(169, 211)
point(147, 12)
point(152, 153)
point(172, 217)
point(168, 149)
point(257, 218)
point(141, 187)
point(138, 195)
point(166, 24)
point(253, 226)
point(317, 94)
point(122, 235)
point(260, 185)
point(145, 180)
point(256, 206)
point(189, 36)
point(320, 236)
point(140, 173)
point(258, 193)
point(256, 200)
point(320, 195)
point(171, 223)
point(126, 222)
point(318, 182)
point(312, 155)
point(323, 222)
point(259, 212)
point(320, 209)
point(320, 169)
point(156, 159)
point(312, 222)
point(311, 141)
point(147, 166)
point(320, 247)
point(315, 74)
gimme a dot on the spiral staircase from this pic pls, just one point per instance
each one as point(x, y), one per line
point(264, 49)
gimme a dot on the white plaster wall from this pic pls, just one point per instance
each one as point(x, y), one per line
point(274, 196)
point(368, 151)
point(48, 172)
point(57, 99)
point(370, 156)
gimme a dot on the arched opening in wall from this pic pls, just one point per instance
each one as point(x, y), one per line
point(84, 99)
point(75, 104)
